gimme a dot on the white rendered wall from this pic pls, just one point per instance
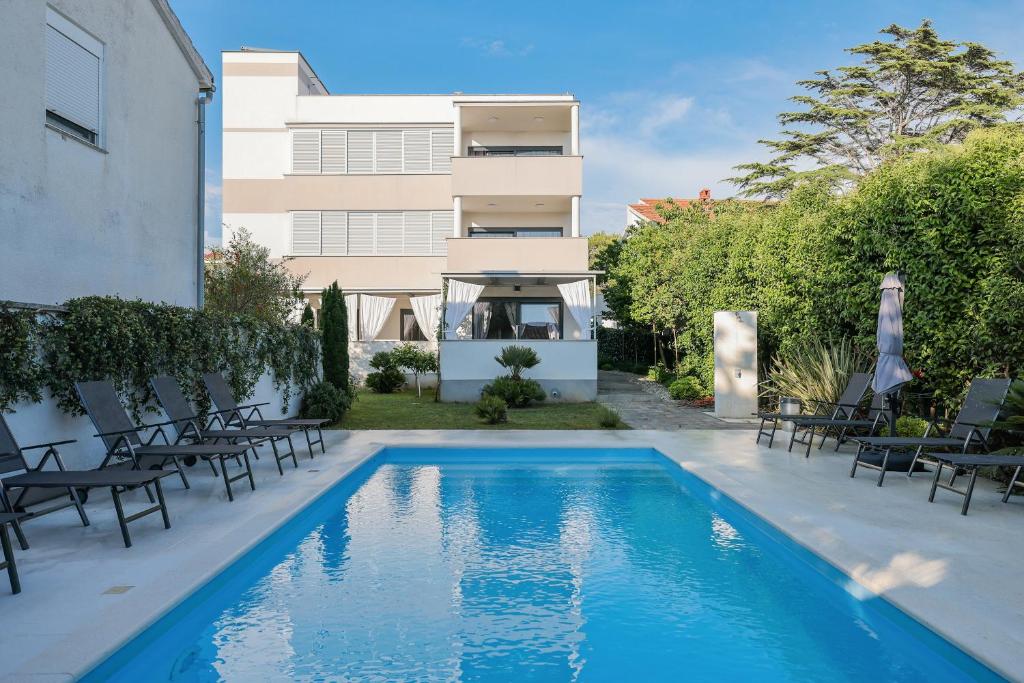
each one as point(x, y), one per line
point(272, 230)
point(256, 154)
point(36, 422)
point(566, 360)
point(735, 363)
point(78, 221)
point(375, 109)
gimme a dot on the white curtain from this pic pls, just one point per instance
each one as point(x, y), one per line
point(581, 307)
point(461, 297)
point(372, 314)
point(352, 309)
point(427, 310)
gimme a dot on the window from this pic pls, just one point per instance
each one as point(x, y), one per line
point(514, 151)
point(515, 232)
point(517, 319)
point(410, 329)
point(366, 152)
point(74, 79)
point(370, 233)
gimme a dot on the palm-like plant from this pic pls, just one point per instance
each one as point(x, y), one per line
point(815, 371)
point(1013, 408)
point(515, 359)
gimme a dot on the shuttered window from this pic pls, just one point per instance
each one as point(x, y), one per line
point(442, 224)
point(361, 233)
point(442, 143)
point(417, 232)
point(74, 73)
point(305, 151)
point(333, 151)
point(306, 233)
point(360, 151)
point(369, 233)
point(365, 152)
point(417, 151)
point(334, 233)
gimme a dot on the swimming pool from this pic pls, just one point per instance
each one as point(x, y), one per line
point(500, 564)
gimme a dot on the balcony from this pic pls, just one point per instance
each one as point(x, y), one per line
point(517, 255)
point(511, 176)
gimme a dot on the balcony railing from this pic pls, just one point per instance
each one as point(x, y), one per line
point(514, 151)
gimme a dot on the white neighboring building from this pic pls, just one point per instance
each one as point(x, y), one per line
point(402, 197)
point(101, 175)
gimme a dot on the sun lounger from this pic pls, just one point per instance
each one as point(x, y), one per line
point(5, 544)
point(969, 430)
point(844, 409)
point(841, 427)
point(970, 463)
point(242, 415)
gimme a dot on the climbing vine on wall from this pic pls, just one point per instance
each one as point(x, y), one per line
point(127, 342)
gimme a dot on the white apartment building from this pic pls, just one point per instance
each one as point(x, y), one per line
point(458, 212)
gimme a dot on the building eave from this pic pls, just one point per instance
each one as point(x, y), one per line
point(188, 49)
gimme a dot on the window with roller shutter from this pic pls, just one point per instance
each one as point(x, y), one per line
point(442, 143)
point(334, 233)
point(305, 151)
point(361, 233)
point(333, 151)
point(74, 79)
point(360, 151)
point(387, 151)
point(306, 233)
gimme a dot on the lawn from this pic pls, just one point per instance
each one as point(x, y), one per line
point(404, 410)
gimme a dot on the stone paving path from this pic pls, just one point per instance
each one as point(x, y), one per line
point(643, 408)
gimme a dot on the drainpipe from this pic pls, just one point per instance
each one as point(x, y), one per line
point(205, 97)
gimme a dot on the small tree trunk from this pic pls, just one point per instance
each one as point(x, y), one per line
point(419, 392)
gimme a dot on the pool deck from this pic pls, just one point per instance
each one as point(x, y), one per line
point(84, 594)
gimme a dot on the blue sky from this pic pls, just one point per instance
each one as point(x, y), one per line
point(673, 94)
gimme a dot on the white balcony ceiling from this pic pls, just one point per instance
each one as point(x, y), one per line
point(517, 118)
point(523, 204)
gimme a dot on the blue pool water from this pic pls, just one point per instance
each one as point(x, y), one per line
point(545, 565)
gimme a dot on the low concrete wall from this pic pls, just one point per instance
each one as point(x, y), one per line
point(567, 367)
point(33, 423)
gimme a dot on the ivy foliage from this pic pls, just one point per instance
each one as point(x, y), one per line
point(128, 342)
point(951, 218)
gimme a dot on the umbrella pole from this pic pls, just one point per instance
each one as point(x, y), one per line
point(892, 413)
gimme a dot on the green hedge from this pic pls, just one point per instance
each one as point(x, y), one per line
point(128, 342)
point(952, 219)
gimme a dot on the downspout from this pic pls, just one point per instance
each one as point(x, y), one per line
point(205, 97)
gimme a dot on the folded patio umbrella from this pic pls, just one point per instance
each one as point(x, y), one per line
point(891, 371)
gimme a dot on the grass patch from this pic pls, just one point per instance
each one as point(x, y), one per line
point(404, 410)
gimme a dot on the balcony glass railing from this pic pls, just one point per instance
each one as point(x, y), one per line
point(515, 151)
point(515, 232)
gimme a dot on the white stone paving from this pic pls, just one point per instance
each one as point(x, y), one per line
point(960, 575)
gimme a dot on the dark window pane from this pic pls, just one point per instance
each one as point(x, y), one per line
point(410, 329)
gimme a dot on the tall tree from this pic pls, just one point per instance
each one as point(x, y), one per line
point(334, 326)
point(910, 92)
point(242, 279)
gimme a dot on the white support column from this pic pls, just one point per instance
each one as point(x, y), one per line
point(575, 216)
point(574, 118)
point(457, 222)
point(457, 150)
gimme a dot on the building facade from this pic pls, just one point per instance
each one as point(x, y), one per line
point(451, 213)
point(101, 180)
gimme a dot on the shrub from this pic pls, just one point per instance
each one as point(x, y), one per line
point(323, 400)
point(659, 373)
point(686, 388)
point(388, 377)
point(911, 427)
point(491, 410)
point(515, 393)
point(815, 370)
point(308, 319)
point(608, 418)
point(606, 365)
point(515, 359)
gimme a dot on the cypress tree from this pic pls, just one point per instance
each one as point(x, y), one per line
point(307, 316)
point(334, 326)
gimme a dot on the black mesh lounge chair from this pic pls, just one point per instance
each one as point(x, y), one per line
point(20, 493)
point(969, 430)
point(840, 428)
point(5, 544)
point(189, 426)
point(242, 415)
point(124, 439)
point(970, 463)
point(844, 409)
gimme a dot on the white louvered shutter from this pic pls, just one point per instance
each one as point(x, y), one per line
point(442, 223)
point(72, 80)
point(417, 233)
point(305, 151)
point(334, 233)
point(305, 233)
point(333, 151)
point(388, 151)
point(442, 142)
point(360, 233)
point(417, 151)
point(389, 233)
point(360, 151)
